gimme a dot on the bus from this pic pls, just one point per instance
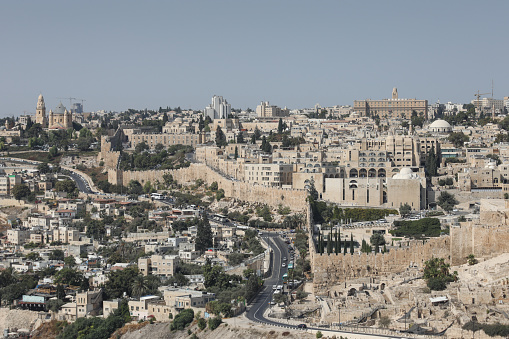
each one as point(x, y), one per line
point(157, 196)
point(285, 278)
point(290, 265)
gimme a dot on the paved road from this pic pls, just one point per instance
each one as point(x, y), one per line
point(261, 302)
point(80, 182)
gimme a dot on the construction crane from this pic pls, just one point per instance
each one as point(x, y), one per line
point(70, 101)
point(478, 95)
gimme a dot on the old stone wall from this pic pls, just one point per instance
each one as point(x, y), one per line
point(329, 270)
point(273, 196)
point(483, 241)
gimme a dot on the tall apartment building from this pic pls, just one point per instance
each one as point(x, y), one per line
point(218, 109)
point(391, 108)
point(161, 265)
point(265, 110)
point(7, 183)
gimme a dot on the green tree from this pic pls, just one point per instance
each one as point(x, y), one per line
point(280, 126)
point(472, 260)
point(204, 236)
point(458, 139)
point(67, 185)
point(69, 276)
point(43, 168)
point(405, 210)
point(236, 155)
point(139, 286)
point(431, 163)
point(53, 152)
point(70, 261)
point(213, 186)
point(141, 147)
point(351, 244)
point(220, 137)
point(447, 201)
point(20, 191)
point(57, 255)
point(266, 147)
point(437, 275)
point(214, 323)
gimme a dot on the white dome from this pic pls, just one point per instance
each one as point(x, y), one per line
point(405, 173)
point(440, 124)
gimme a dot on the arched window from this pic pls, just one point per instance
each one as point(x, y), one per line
point(372, 173)
point(353, 173)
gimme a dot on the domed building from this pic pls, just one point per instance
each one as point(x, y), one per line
point(61, 118)
point(406, 173)
point(440, 126)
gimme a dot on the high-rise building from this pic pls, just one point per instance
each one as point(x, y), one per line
point(391, 108)
point(218, 109)
point(265, 110)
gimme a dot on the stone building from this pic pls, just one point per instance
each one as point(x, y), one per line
point(391, 108)
point(61, 118)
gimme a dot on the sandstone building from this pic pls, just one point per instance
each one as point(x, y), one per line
point(390, 108)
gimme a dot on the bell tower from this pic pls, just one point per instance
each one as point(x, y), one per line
point(40, 112)
point(394, 93)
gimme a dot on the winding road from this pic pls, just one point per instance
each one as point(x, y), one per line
point(262, 301)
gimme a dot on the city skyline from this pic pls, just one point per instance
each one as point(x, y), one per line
point(124, 55)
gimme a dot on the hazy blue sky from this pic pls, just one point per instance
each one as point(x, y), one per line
point(146, 54)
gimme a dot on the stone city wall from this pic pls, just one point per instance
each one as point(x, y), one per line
point(273, 196)
point(329, 270)
point(483, 241)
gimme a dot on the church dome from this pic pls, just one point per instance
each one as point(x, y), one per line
point(60, 109)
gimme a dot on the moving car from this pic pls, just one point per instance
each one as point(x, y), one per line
point(302, 326)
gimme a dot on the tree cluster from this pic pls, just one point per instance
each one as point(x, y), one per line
point(428, 227)
point(437, 275)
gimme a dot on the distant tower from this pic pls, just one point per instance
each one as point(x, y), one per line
point(40, 112)
point(394, 93)
point(67, 119)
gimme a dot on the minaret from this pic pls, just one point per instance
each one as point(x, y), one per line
point(394, 93)
point(40, 112)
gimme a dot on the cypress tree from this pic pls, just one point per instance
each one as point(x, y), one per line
point(236, 152)
point(351, 243)
point(329, 243)
point(344, 248)
point(337, 245)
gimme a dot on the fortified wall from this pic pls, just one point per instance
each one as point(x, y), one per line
point(483, 241)
point(273, 196)
point(329, 270)
point(110, 144)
